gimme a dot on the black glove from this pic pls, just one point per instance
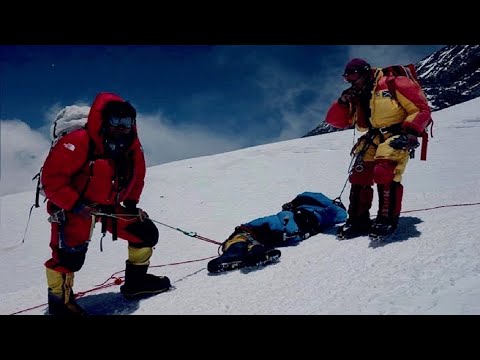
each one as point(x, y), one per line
point(348, 96)
point(287, 207)
point(132, 208)
point(130, 205)
point(405, 142)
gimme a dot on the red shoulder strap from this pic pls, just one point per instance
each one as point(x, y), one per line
point(423, 153)
point(424, 135)
point(391, 87)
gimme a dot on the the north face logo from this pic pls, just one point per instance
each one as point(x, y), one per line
point(69, 146)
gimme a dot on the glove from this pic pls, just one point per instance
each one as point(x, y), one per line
point(348, 96)
point(84, 210)
point(132, 208)
point(405, 142)
point(287, 206)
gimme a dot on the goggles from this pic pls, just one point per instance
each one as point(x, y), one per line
point(126, 122)
point(351, 76)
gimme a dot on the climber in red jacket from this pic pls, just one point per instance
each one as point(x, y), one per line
point(91, 175)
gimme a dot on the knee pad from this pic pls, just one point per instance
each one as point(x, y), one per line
point(384, 171)
point(72, 259)
point(362, 174)
point(146, 231)
point(139, 256)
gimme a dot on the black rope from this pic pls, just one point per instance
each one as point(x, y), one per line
point(28, 222)
point(356, 158)
point(188, 233)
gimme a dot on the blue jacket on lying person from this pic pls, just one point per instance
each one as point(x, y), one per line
point(252, 243)
point(307, 215)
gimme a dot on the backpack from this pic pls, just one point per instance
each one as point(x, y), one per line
point(410, 72)
point(69, 119)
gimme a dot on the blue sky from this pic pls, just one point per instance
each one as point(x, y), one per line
point(227, 87)
point(192, 100)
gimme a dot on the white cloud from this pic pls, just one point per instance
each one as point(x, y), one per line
point(164, 142)
point(22, 152)
point(23, 149)
point(283, 91)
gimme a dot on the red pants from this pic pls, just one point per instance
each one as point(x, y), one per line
point(70, 238)
point(381, 165)
point(390, 193)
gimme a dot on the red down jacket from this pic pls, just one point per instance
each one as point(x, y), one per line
point(68, 172)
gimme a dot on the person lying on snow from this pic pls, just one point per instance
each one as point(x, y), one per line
point(253, 243)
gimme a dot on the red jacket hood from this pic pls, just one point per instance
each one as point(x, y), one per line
point(95, 119)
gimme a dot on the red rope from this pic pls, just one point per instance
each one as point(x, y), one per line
point(440, 206)
point(207, 239)
point(116, 281)
point(33, 307)
point(119, 280)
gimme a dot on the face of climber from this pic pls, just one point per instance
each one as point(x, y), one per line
point(118, 127)
point(118, 134)
point(357, 73)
